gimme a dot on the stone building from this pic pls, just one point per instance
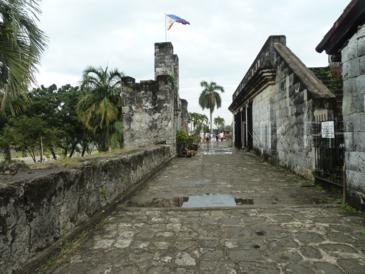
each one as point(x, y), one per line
point(278, 108)
point(153, 110)
point(345, 45)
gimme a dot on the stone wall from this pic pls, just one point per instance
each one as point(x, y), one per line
point(292, 123)
point(353, 71)
point(285, 96)
point(282, 122)
point(46, 207)
point(166, 62)
point(152, 110)
point(262, 120)
point(184, 120)
point(148, 112)
point(265, 59)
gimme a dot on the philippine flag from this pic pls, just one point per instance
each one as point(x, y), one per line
point(173, 18)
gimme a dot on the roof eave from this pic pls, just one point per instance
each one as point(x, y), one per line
point(344, 27)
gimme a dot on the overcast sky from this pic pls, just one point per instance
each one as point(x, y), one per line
point(220, 44)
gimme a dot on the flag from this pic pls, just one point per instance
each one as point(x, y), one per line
point(173, 18)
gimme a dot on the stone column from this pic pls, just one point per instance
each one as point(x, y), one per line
point(167, 63)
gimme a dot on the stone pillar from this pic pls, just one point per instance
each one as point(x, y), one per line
point(353, 108)
point(167, 63)
point(184, 121)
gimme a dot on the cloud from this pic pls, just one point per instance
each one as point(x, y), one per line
point(220, 44)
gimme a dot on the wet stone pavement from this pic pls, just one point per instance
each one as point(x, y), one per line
point(281, 224)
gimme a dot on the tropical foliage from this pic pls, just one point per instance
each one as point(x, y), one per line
point(58, 108)
point(48, 118)
point(210, 98)
point(21, 45)
point(60, 121)
point(219, 123)
point(197, 121)
point(185, 142)
point(28, 134)
point(99, 109)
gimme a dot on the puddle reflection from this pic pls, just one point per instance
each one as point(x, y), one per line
point(210, 200)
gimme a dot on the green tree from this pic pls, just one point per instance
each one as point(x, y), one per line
point(99, 109)
point(58, 108)
point(198, 121)
point(21, 45)
point(210, 98)
point(228, 128)
point(74, 134)
point(19, 103)
point(219, 123)
point(28, 134)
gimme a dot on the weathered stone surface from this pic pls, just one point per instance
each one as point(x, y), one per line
point(35, 213)
point(351, 69)
point(279, 104)
point(353, 111)
point(184, 259)
point(291, 237)
point(152, 110)
point(148, 115)
point(266, 259)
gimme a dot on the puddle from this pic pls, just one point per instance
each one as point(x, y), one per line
point(216, 152)
point(209, 200)
point(159, 202)
point(194, 201)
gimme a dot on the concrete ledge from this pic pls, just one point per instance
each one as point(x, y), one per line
point(36, 216)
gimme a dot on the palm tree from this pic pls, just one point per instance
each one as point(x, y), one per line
point(99, 109)
point(21, 45)
point(210, 98)
point(219, 123)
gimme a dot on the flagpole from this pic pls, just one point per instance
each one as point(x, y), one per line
point(165, 29)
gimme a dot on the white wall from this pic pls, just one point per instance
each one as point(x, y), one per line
point(261, 109)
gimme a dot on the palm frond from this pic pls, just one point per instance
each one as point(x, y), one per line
point(21, 45)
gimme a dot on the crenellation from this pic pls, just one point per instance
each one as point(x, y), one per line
point(152, 110)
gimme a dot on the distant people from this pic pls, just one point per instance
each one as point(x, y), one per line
point(207, 137)
point(221, 136)
point(202, 137)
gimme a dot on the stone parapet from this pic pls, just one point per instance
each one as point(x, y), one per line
point(40, 210)
point(148, 113)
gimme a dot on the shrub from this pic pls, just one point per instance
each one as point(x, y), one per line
point(184, 141)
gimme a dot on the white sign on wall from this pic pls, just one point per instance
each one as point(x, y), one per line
point(328, 129)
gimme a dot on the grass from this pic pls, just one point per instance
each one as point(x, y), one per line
point(67, 162)
point(362, 232)
point(103, 192)
point(66, 249)
point(349, 208)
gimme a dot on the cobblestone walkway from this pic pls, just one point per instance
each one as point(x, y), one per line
point(287, 227)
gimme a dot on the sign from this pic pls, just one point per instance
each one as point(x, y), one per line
point(328, 129)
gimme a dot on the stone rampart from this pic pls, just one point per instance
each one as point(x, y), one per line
point(148, 112)
point(40, 210)
point(152, 110)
